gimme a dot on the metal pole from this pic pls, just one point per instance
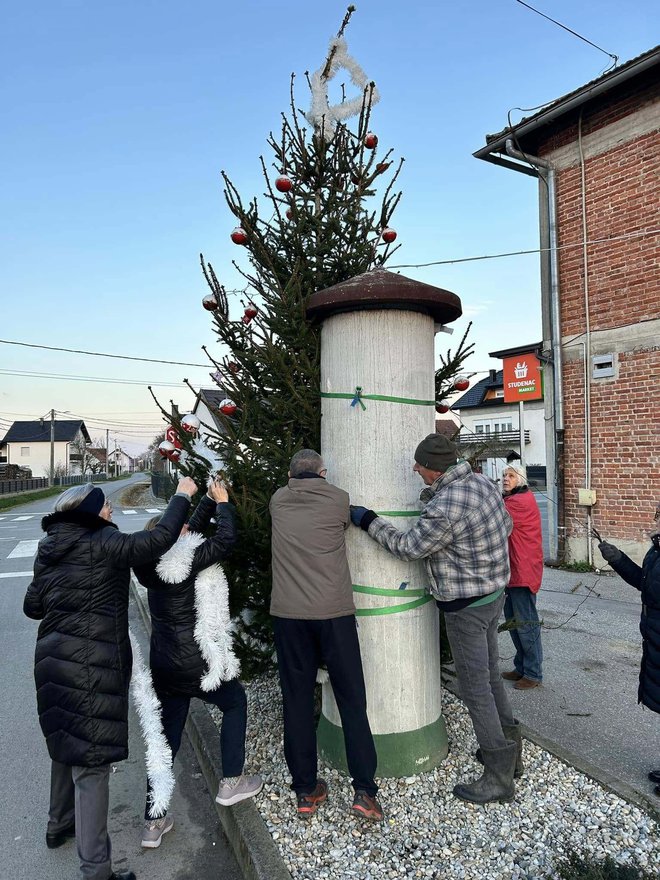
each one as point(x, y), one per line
point(521, 420)
point(51, 478)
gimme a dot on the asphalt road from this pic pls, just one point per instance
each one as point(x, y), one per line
point(195, 850)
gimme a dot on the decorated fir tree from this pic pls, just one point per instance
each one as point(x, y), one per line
point(329, 198)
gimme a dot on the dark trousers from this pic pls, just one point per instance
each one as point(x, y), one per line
point(231, 700)
point(520, 606)
point(83, 792)
point(302, 646)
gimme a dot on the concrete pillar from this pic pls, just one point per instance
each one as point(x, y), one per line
point(378, 334)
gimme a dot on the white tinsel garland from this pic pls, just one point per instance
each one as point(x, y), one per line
point(158, 752)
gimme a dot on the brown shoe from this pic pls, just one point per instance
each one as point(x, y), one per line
point(526, 684)
point(511, 676)
point(308, 804)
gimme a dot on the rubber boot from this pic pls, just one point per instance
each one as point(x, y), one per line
point(496, 784)
point(512, 732)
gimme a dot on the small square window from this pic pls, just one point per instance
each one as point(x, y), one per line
point(25, 451)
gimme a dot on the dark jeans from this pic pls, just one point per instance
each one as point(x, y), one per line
point(302, 646)
point(472, 634)
point(520, 605)
point(83, 792)
point(231, 700)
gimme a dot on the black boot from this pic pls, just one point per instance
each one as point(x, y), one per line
point(122, 875)
point(496, 784)
point(654, 776)
point(57, 838)
point(512, 732)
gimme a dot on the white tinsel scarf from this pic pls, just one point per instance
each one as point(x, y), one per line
point(159, 754)
point(212, 624)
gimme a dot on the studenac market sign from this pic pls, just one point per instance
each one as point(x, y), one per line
point(523, 379)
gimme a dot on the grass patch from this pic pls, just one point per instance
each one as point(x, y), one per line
point(579, 566)
point(581, 867)
point(9, 501)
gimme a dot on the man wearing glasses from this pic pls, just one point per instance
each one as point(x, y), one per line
point(314, 624)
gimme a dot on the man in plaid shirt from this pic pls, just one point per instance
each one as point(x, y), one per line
point(462, 534)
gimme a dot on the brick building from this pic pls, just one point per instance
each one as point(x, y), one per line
point(596, 153)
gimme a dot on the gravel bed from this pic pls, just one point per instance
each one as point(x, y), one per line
point(429, 833)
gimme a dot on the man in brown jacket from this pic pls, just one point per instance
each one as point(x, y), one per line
point(314, 624)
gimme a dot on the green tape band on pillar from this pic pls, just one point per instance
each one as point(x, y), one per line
point(392, 609)
point(412, 400)
point(379, 591)
point(397, 512)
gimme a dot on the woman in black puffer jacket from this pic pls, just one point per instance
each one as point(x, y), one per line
point(647, 580)
point(83, 657)
point(191, 648)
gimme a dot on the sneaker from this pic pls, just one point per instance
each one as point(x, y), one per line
point(309, 803)
point(153, 831)
point(366, 807)
point(238, 788)
point(511, 676)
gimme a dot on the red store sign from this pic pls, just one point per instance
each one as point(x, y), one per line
point(523, 379)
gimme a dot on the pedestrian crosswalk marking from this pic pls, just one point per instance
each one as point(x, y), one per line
point(129, 512)
point(21, 518)
point(153, 510)
point(24, 548)
point(15, 574)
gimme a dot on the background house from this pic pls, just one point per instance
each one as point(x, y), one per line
point(596, 152)
point(490, 430)
point(28, 444)
point(206, 408)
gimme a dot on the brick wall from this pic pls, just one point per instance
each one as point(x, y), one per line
point(623, 196)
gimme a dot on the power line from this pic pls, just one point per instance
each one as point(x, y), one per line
point(139, 382)
point(560, 247)
point(615, 58)
point(123, 357)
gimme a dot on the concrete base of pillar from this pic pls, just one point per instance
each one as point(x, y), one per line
point(399, 754)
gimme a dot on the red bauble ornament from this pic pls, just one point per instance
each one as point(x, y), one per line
point(284, 184)
point(388, 235)
point(441, 408)
point(233, 367)
point(371, 140)
point(461, 383)
point(190, 423)
point(175, 455)
point(289, 213)
point(210, 303)
point(166, 448)
point(251, 311)
point(239, 235)
point(227, 407)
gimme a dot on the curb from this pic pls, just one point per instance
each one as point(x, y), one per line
point(253, 847)
point(607, 780)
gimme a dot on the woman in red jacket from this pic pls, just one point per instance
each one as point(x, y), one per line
point(526, 558)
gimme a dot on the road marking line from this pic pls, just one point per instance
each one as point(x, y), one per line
point(153, 510)
point(22, 518)
point(129, 512)
point(23, 548)
point(15, 574)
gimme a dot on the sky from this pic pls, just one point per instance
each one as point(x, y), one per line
point(117, 119)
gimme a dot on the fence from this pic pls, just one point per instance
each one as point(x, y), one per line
point(9, 487)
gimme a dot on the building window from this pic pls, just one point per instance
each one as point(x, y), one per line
point(25, 451)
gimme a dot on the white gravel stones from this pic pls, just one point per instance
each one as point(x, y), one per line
point(429, 833)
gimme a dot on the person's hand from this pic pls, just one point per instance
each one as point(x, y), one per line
point(609, 552)
point(357, 513)
point(187, 485)
point(218, 491)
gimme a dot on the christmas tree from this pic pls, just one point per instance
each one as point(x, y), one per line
point(322, 222)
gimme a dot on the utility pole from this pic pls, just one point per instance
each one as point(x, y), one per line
point(51, 473)
point(116, 474)
point(107, 453)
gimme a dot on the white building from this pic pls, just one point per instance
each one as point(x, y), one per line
point(28, 444)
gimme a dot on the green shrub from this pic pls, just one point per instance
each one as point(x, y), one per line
point(587, 867)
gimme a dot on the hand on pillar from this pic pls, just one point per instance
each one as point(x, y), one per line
point(362, 516)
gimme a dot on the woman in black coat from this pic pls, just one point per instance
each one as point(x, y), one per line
point(83, 657)
point(191, 651)
point(647, 580)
